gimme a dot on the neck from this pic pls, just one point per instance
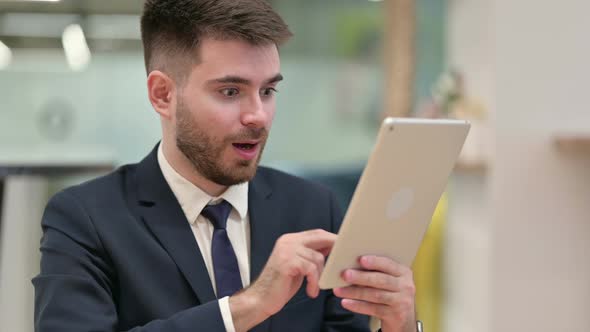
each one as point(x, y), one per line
point(185, 168)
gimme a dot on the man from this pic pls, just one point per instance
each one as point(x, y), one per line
point(167, 244)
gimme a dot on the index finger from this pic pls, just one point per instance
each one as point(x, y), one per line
point(318, 239)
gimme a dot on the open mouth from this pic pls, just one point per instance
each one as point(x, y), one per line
point(245, 146)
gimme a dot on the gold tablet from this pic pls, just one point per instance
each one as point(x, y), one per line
point(397, 193)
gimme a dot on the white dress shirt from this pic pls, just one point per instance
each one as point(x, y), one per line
point(192, 201)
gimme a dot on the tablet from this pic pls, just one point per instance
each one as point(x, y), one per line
point(397, 193)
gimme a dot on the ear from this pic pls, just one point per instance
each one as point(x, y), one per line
point(162, 93)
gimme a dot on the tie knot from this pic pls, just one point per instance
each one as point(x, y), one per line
point(217, 214)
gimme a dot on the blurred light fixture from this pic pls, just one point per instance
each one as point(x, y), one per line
point(75, 47)
point(5, 56)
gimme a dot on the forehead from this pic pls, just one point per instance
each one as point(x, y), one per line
point(219, 58)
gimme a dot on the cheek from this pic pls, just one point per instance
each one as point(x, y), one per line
point(210, 112)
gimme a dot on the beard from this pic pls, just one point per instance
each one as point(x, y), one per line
point(205, 152)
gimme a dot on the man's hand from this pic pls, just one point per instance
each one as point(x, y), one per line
point(383, 289)
point(295, 256)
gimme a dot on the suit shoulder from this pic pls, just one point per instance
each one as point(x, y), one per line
point(104, 187)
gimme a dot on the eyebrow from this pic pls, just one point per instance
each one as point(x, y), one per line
point(244, 81)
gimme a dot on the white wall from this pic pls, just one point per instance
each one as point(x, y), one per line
point(22, 208)
point(540, 277)
point(526, 267)
point(469, 46)
point(467, 251)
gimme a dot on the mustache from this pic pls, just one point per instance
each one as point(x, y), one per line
point(249, 134)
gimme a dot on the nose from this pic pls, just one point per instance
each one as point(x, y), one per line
point(255, 113)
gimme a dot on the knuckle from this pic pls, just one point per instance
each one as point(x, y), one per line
point(381, 297)
point(378, 280)
point(282, 240)
point(282, 253)
point(385, 281)
point(317, 232)
point(410, 288)
point(311, 268)
point(303, 265)
point(318, 258)
point(407, 273)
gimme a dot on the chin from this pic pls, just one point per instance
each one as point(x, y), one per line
point(237, 175)
point(247, 173)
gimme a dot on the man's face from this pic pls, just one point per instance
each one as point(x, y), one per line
point(226, 107)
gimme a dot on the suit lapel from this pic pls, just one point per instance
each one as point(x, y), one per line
point(265, 221)
point(164, 217)
point(265, 229)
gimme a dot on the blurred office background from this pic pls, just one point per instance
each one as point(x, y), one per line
point(508, 243)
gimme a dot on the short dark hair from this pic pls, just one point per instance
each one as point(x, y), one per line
point(171, 30)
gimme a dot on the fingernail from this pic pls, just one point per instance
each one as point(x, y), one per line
point(366, 260)
point(348, 275)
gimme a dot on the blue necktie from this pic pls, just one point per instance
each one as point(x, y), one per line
point(225, 263)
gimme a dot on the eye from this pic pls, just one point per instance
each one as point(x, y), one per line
point(229, 92)
point(268, 92)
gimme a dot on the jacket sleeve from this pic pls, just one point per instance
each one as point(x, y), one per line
point(336, 318)
point(74, 289)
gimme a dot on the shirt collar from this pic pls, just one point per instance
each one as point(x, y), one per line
point(193, 200)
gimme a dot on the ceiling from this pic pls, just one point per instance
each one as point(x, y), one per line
point(73, 6)
point(109, 25)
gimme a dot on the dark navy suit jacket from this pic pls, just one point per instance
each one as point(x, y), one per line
point(118, 255)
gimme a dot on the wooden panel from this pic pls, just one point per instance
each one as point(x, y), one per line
point(400, 57)
point(573, 143)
